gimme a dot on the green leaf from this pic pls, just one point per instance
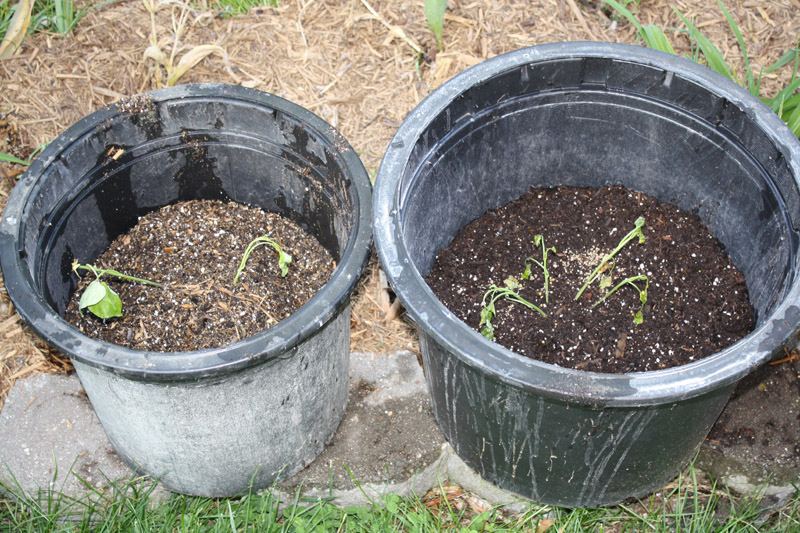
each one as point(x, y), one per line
point(434, 13)
point(109, 306)
point(751, 84)
point(605, 282)
point(8, 158)
point(714, 58)
point(622, 10)
point(793, 121)
point(391, 503)
point(784, 98)
point(654, 38)
point(487, 314)
point(488, 331)
point(638, 318)
point(95, 292)
point(284, 260)
point(784, 60)
point(527, 273)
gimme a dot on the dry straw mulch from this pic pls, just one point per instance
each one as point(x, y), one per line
point(353, 63)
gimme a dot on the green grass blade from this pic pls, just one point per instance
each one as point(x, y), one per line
point(655, 39)
point(62, 10)
point(434, 13)
point(8, 158)
point(785, 59)
point(751, 84)
point(712, 54)
point(785, 97)
point(793, 120)
point(651, 34)
point(792, 102)
point(622, 10)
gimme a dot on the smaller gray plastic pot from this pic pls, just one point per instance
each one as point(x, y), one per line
point(587, 114)
point(211, 422)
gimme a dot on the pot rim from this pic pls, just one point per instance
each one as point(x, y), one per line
point(632, 389)
point(278, 341)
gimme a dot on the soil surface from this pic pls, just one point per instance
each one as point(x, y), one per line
point(751, 429)
point(696, 301)
point(194, 249)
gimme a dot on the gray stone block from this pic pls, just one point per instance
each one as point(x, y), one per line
point(388, 440)
point(51, 435)
point(388, 436)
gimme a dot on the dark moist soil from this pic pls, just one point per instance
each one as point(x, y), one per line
point(761, 422)
point(194, 249)
point(696, 304)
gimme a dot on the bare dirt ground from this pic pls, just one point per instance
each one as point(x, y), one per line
point(351, 62)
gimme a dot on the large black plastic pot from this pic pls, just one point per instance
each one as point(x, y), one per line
point(205, 422)
point(587, 114)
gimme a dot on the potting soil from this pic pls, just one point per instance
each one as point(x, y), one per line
point(194, 249)
point(695, 304)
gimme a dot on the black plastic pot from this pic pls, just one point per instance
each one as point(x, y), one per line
point(587, 114)
point(205, 422)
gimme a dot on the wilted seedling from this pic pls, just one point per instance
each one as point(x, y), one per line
point(508, 292)
point(98, 297)
point(191, 58)
point(283, 258)
point(637, 318)
point(604, 264)
point(537, 241)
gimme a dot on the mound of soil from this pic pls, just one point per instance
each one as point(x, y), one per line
point(194, 249)
point(696, 300)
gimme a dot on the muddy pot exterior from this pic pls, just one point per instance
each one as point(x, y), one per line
point(587, 114)
point(209, 422)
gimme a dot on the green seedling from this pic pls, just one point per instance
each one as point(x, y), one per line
point(537, 241)
point(508, 292)
point(637, 318)
point(283, 258)
point(604, 264)
point(98, 297)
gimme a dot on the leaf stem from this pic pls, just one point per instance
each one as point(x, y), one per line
point(635, 232)
point(111, 272)
point(284, 259)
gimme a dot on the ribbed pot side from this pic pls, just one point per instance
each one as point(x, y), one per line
point(209, 422)
point(587, 114)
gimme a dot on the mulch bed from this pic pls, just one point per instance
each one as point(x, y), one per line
point(194, 248)
point(696, 304)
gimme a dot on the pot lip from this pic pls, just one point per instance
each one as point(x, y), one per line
point(633, 389)
point(278, 341)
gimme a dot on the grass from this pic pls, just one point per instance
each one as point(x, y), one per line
point(58, 16)
point(237, 7)
point(785, 103)
point(131, 506)
point(434, 13)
